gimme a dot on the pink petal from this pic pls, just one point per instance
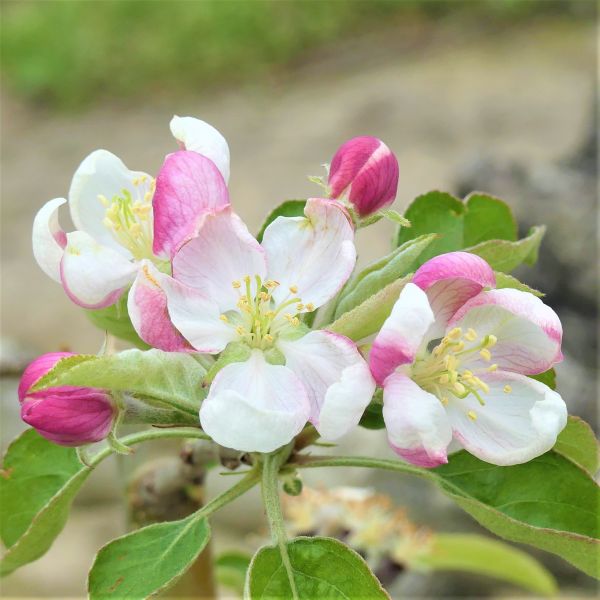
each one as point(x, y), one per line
point(147, 307)
point(417, 426)
point(529, 333)
point(48, 238)
point(188, 186)
point(402, 334)
point(37, 369)
point(450, 280)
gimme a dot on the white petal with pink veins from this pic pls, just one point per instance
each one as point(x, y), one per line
point(254, 406)
point(223, 252)
point(101, 174)
point(314, 254)
point(336, 377)
point(417, 425)
point(402, 333)
point(529, 333)
point(520, 420)
point(48, 238)
point(93, 276)
point(198, 136)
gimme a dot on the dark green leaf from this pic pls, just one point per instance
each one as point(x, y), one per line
point(478, 554)
point(115, 320)
point(39, 481)
point(148, 560)
point(547, 378)
point(322, 568)
point(289, 208)
point(373, 417)
point(487, 218)
point(578, 443)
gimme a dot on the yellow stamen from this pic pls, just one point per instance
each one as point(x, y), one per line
point(224, 318)
point(485, 354)
point(240, 330)
point(454, 334)
point(472, 415)
point(492, 368)
point(459, 387)
point(236, 284)
point(310, 307)
point(299, 307)
point(294, 289)
point(491, 341)
point(507, 389)
point(471, 335)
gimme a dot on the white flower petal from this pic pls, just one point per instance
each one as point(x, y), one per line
point(417, 425)
point(402, 333)
point(336, 377)
point(513, 427)
point(48, 238)
point(93, 275)
point(200, 137)
point(529, 333)
point(224, 251)
point(194, 315)
point(101, 173)
point(315, 253)
point(254, 406)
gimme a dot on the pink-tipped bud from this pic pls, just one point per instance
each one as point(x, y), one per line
point(66, 415)
point(367, 170)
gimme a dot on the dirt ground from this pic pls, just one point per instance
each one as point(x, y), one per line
point(525, 93)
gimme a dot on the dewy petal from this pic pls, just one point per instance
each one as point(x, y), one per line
point(147, 308)
point(92, 275)
point(417, 425)
point(336, 378)
point(188, 186)
point(48, 238)
point(223, 252)
point(100, 174)
point(198, 136)
point(195, 316)
point(314, 253)
point(529, 332)
point(515, 425)
point(402, 333)
point(450, 280)
point(254, 406)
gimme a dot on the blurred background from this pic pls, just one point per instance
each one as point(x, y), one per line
point(493, 95)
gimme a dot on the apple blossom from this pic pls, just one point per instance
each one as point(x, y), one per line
point(367, 170)
point(123, 217)
point(453, 359)
point(66, 415)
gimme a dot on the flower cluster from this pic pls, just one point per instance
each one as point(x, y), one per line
point(453, 357)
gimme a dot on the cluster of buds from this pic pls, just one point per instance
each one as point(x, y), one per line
point(66, 415)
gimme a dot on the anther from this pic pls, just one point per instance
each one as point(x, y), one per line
point(247, 279)
point(454, 334)
point(294, 289)
point(299, 307)
point(459, 387)
point(236, 284)
point(472, 415)
point(458, 347)
point(490, 341)
point(269, 338)
point(471, 335)
point(310, 307)
point(295, 321)
point(444, 400)
point(492, 368)
point(224, 318)
point(240, 330)
point(507, 389)
point(485, 354)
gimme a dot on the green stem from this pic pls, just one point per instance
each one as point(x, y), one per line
point(270, 489)
point(147, 435)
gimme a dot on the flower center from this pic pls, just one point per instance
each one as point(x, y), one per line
point(259, 318)
point(442, 373)
point(128, 217)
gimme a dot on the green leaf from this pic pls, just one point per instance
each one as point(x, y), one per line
point(289, 208)
point(39, 481)
point(395, 217)
point(368, 317)
point(148, 560)
point(478, 554)
point(115, 320)
point(373, 416)
point(503, 255)
point(487, 218)
point(322, 568)
point(231, 568)
point(382, 272)
point(503, 280)
point(578, 443)
point(548, 502)
point(547, 378)
point(173, 378)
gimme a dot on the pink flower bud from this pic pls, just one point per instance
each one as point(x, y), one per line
point(368, 170)
point(66, 415)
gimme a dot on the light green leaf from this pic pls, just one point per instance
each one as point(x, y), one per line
point(234, 352)
point(382, 272)
point(173, 378)
point(547, 378)
point(548, 502)
point(115, 320)
point(148, 560)
point(39, 482)
point(231, 568)
point(503, 255)
point(478, 554)
point(487, 218)
point(578, 443)
point(289, 208)
point(368, 317)
point(395, 217)
point(503, 280)
point(322, 568)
